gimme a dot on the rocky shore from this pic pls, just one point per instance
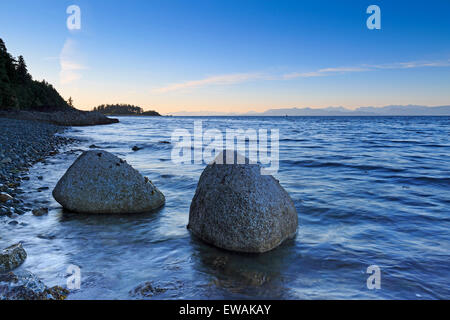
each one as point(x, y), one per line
point(62, 118)
point(234, 207)
point(25, 285)
point(22, 144)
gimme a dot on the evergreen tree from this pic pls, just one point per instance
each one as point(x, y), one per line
point(123, 109)
point(8, 99)
point(22, 71)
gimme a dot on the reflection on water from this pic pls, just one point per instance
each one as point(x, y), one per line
point(367, 190)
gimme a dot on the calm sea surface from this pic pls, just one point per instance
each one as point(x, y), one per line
point(368, 191)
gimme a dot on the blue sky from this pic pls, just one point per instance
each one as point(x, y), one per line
point(234, 56)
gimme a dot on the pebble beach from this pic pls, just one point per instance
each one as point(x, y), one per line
point(22, 144)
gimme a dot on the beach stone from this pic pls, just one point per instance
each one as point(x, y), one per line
point(4, 210)
point(20, 211)
point(4, 197)
point(238, 209)
point(12, 257)
point(147, 289)
point(12, 214)
point(100, 182)
point(40, 212)
point(6, 160)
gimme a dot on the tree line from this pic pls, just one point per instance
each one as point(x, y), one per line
point(124, 109)
point(18, 90)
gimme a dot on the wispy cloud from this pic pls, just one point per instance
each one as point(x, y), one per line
point(229, 79)
point(413, 64)
point(70, 67)
point(366, 68)
point(226, 79)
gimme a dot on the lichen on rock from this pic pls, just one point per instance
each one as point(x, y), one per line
point(27, 286)
point(237, 208)
point(12, 257)
point(100, 182)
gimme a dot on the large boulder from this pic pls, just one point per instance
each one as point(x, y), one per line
point(238, 209)
point(12, 257)
point(100, 182)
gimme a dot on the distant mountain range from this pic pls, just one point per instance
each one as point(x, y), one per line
point(393, 110)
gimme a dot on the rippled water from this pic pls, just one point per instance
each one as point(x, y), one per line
point(368, 191)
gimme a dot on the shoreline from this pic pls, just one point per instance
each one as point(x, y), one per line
point(160, 242)
point(70, 118)
point(24, 143)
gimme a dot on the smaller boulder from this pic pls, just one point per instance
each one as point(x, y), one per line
point(100, 182)
point(12, 257)
point(40, 212)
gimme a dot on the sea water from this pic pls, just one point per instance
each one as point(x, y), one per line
point(369, 191)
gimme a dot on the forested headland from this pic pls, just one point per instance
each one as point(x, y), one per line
point(18, 90)
point(124, 109)
point(20, 94)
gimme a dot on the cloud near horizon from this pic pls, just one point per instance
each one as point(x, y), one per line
point(214, 80)
point(366, 68)
point(70, 67)
point(229, 79)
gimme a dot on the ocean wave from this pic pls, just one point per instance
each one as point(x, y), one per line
point(319, 164)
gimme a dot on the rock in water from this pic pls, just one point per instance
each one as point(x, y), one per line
point(147, 290)
point(12, 257)
point(40, 212)
point(99, 182)
point(27, 286)
point(238, 209)
point(6, 160)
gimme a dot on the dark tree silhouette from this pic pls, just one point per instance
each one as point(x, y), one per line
point(19, 91)
point(22, 71)
point(70, 102)
point(124, 109)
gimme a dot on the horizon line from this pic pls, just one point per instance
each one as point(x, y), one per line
point(336, 108)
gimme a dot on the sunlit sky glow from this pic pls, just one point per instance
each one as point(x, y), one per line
point(235, 56)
